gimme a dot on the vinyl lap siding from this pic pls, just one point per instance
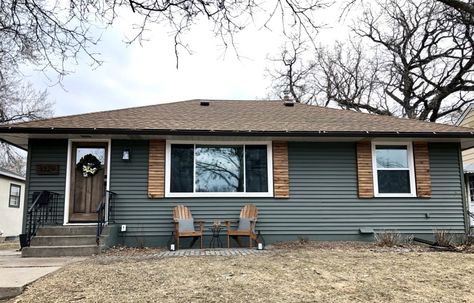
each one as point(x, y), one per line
point(323, 182)
point(47, 152)
point(323, 201)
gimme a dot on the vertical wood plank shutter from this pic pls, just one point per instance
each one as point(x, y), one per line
point(156, 169)
point(365, 177)
point(281, 187)
point(422, 169)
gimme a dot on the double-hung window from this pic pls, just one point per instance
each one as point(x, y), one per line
point(218, 169)
point(393, 169)
point(15, 192)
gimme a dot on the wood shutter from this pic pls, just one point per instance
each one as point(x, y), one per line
point(156, 168)
point(281, 187)
point(365, 177)
point(422, 169)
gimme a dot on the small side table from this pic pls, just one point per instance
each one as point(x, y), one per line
point(215, 240)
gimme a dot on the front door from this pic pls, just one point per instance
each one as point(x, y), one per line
point(88, 180)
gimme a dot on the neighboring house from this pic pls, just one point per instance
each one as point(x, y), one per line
point(315, 172)
point(12, 197)
point(467, 120)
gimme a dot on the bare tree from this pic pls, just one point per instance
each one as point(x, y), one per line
point(462, 6)
point(418, 62)
point(297, 78)
point(49, 33)
point(19, 102)
point(466, 7)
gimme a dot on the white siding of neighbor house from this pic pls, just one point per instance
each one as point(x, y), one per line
point(11, 218)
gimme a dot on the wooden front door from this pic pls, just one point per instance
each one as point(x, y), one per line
point(87, 191)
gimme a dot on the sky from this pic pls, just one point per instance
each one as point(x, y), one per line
point(135, 75)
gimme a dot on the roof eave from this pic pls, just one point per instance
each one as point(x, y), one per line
point(204, 132)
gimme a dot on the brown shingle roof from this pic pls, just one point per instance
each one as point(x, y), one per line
point(234, 116)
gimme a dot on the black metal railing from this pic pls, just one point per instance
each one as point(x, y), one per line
point(43, 211)
point(104, 213)
point(470, 214)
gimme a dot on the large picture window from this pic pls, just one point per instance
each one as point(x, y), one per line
point(15, 194)
point(393, 169)
point(226, 169)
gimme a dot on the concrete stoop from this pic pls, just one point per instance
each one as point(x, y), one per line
point(62, 241)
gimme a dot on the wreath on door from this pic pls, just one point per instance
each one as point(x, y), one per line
point(89, 165)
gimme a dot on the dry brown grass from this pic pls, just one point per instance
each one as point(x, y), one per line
point(9, 245)
point(324, 273)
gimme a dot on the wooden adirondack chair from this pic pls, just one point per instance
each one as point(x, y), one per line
point(250, 212)
point(182, 212)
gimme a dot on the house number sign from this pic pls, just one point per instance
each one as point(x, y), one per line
point(47, 169)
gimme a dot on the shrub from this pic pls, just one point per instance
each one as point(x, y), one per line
point(302, 239)
point(443, 238)
point(468, 240)
point(409, 239)
point(389, 238)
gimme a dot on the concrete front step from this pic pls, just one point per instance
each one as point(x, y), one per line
point(60, 251)
point(67, 230)
point(63, 240)
point(70, 240)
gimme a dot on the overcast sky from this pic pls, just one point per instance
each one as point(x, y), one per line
point(134, 75)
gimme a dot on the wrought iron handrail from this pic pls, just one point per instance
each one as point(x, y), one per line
point(470, 214)
point(104, 213)
point(44, 210)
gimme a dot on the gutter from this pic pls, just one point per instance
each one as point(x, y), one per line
point(321, 133)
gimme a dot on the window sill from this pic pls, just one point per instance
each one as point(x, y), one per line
point(219, 195)
point(395, 195)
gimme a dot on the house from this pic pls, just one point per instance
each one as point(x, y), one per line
point(467, 120)
point(12, 197)
point(315, 172)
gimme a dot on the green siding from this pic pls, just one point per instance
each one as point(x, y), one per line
point(47, 152)
point(323, 200)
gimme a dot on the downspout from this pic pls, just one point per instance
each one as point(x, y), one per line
point(465, 207)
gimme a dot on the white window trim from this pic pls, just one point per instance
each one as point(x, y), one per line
point(169, 194)
point(10, 195)
point(411, 167)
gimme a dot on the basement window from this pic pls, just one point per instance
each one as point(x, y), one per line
point(223, 169)
point(393, 169)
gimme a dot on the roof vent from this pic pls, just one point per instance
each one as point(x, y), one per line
point(289, 103)
point(204, 103)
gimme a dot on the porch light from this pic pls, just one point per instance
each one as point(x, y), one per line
point(126, 155)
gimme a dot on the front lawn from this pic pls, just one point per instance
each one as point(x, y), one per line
point(9, 245)
point(321, 273)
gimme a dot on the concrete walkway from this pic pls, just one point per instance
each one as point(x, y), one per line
point(17, 272)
